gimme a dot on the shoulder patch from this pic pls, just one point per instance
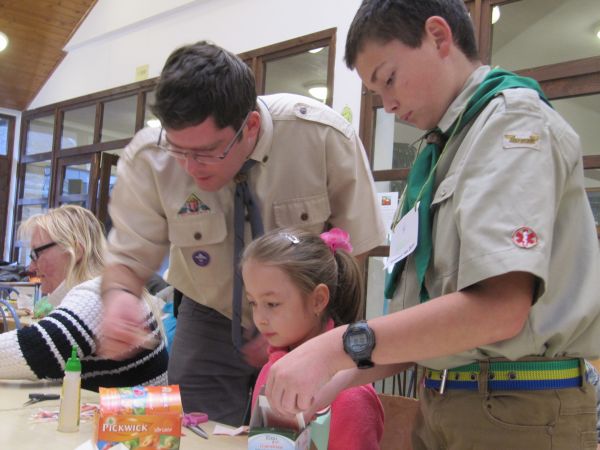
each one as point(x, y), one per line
point(520, 139)
point(325, 116)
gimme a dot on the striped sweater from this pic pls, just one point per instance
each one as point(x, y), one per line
point(40, 350)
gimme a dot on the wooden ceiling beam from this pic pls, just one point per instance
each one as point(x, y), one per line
point(38, 31)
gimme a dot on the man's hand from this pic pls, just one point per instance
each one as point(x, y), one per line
point(122, 327)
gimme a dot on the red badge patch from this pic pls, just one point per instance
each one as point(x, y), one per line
point(525, 237)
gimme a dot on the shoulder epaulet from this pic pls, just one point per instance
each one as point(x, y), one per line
point(521, 99)
point(284, 106)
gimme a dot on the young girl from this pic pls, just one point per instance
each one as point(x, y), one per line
point(300, 285)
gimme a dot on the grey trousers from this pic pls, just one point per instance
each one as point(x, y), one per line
point(212, 376)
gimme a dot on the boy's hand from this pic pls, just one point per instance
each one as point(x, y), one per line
point(295, 379)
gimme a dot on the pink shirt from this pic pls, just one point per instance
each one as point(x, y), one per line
point(356, 413)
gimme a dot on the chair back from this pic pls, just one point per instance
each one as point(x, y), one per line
point(400, 415)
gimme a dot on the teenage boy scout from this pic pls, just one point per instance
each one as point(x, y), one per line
point(499, 300)
point(287, 159)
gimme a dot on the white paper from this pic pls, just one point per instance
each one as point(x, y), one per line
point(89, 445)
point(220, 429)
point(404, 237)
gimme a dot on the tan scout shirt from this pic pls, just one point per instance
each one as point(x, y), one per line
point(519, 165)
point(311, 170)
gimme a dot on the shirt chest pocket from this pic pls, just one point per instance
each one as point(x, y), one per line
point(198, 231)
point(307, 212)
point(446, 237)
point(444, 191)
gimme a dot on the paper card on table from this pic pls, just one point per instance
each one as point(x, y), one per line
point(404, 237)
point(89, 445)
point(227, 431)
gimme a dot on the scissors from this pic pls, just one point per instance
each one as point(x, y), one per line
point(36, 397)
point(192, 422)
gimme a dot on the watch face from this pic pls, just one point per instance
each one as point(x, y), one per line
point(358, 341)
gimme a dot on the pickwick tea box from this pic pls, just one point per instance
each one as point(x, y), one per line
point(139, 417)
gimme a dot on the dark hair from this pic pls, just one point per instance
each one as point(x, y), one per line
point(202, 80)
point(309, 261)
point(385, 20)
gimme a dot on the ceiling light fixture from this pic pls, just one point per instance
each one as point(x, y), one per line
point(598, 33)
point(318, 92)
point(495, 14)
point(153, 123)
point(3, 41)
point(316, 50)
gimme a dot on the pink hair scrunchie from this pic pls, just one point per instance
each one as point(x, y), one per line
point(337, 239)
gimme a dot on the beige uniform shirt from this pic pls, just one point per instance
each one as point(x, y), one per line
point(510, 196)
point(312, 171)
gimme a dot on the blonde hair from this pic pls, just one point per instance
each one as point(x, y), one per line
point(309, 261)
point(77, 231)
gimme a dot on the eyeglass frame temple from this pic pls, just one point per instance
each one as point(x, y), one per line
point(34, 253)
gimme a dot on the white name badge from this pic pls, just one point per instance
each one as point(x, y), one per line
point(404, 237)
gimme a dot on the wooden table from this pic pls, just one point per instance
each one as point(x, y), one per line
point(17, 430)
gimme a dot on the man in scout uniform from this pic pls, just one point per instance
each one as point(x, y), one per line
point(225, 166)
point(499, 299)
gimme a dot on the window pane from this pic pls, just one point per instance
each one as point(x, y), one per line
point(39, 135)
point(583, 113)
point(37, 180)
point(118, 119)
point(304, 74)
point(30, 210)
point(3, 137)
point(535, 33)
point(75, 184)
point(375, 283)
point(592, 182)
point(394, 143)
point(150, 120)
point(78, 127)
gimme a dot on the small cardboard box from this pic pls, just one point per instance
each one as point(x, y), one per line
point(141, 418)
point(269, 432)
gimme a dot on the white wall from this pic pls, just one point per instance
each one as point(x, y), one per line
point(118, 36)
point(13, 178)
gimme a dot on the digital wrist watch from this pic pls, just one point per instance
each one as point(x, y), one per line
point(359, 341)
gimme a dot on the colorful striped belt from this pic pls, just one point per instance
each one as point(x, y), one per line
point(509, 375)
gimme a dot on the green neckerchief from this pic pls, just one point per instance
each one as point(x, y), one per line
point(419, 187)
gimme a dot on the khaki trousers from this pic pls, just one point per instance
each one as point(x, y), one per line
point(561, 419)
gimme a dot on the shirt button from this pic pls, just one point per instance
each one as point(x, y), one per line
point(197, 236)
point(303, 110)
point(304, 216)
point(265, 159)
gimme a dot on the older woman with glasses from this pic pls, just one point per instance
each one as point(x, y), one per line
point(68, 248)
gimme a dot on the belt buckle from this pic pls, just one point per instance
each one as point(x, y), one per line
point(443, 381)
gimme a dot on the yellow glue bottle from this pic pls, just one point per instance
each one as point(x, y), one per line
point(68, 418)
